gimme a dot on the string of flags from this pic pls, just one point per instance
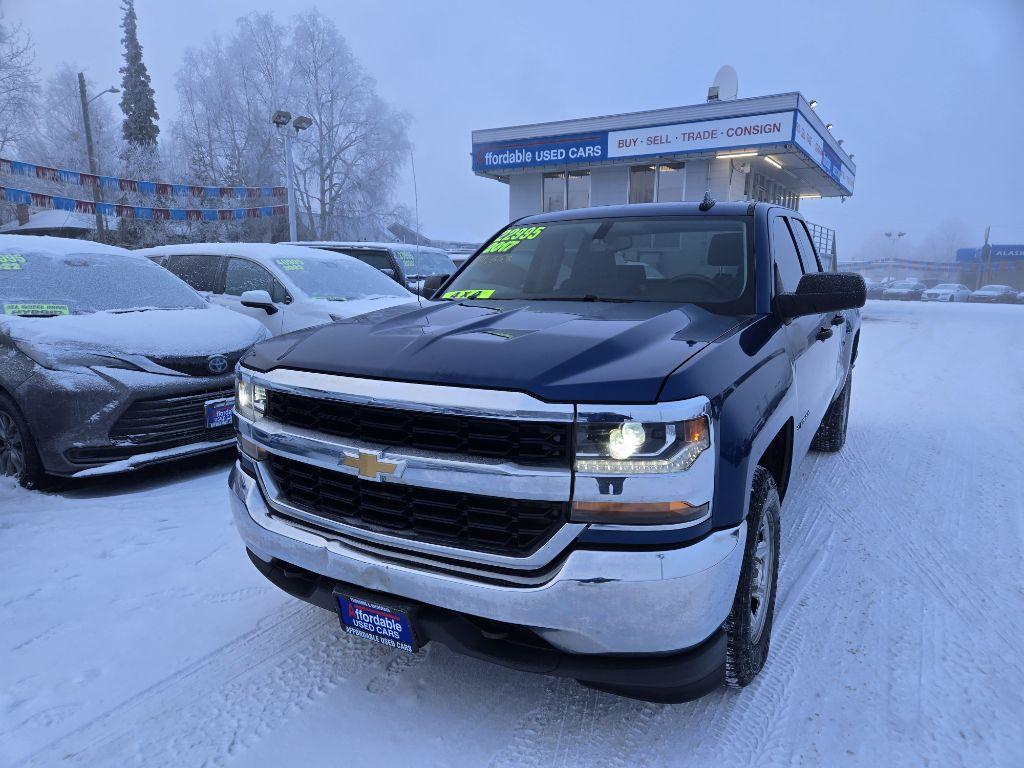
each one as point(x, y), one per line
point(143, 212)
point(116, 184)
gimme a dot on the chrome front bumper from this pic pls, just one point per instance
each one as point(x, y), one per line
point(590, 602)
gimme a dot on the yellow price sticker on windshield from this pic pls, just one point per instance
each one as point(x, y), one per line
point(11, 260)
point(510, 238)
point(36, 310)
point(475, 294)
point(291, 265)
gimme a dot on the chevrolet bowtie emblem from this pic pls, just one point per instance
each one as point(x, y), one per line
point(370, 466)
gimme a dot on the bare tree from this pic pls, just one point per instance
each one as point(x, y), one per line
point(18, 87)
point(59, 138)
point(346, 162)
point(348, 159)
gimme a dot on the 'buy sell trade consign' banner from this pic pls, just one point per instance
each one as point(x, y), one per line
point(700, 136)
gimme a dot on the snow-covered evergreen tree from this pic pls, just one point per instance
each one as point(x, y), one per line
point(137, 100)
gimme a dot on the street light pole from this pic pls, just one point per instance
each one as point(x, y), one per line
point(281, 119)
point(93, 168)
point(290, 164)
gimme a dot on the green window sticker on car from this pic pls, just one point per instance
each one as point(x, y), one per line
point(510, 238)
point(291, 265)
point(474, 294)
point(29, 309)
point(407, 259)
point(11, 260)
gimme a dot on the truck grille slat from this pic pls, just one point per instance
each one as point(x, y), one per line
point(451, 518)
point(522, 442)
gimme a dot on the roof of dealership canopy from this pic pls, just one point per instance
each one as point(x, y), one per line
point(783, 127)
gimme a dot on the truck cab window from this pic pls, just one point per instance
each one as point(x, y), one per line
point(787, 260)
point(808, 255)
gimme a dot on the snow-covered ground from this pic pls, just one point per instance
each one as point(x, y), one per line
point(134, 631)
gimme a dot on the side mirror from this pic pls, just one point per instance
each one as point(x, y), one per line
point(822, 292)
point(258, 300)
point(432, 284)
point(390, 273)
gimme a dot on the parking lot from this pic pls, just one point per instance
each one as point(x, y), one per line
point(136, 632)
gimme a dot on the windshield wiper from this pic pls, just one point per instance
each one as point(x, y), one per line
point(585, 297)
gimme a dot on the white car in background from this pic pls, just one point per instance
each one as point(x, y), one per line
point(947, 292)
point(285, 287)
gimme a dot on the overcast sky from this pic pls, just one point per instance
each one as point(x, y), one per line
point(928, 95)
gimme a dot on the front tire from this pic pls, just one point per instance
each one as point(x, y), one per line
point(18, 455)
point(831, 434)
point(749, 626)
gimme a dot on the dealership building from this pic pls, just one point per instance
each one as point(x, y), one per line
point(769, 148)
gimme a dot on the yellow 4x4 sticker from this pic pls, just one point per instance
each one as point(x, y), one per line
point(510, 238)
point(475, 294)
point(11, 260)
point(291, 265)
point(38, 310)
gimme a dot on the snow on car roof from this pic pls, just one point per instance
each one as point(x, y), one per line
point(367, 244)
point(58, 245)
point(263, 252)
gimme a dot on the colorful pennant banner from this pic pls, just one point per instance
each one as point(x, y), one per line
point(144, 212)
point(115, 184)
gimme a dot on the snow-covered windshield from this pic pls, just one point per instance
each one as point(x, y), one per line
point(338, 278)
point(425, 261)
point(701, 259)
point(996, 288)
point(43, 283)
point(906, 284)
point(947, 287)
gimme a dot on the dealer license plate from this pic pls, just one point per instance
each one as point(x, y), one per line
point(373, 621)
point(218, 412)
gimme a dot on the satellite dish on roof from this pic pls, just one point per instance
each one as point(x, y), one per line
point(725, 85)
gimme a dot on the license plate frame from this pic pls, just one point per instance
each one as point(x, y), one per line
point(390, 623)
point(217, 413)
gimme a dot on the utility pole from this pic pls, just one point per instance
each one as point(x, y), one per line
point(93, 166)
point(986, 256)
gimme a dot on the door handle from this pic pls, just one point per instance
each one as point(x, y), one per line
point(824, 333)
point(838, 320)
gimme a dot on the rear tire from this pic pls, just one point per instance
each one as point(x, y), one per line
point(18, 455)
point(749, 626)
point(831, 434)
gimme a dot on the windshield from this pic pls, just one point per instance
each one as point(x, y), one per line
point(906, 284)
point(338, 278)
point(996, 288)
point(38, 283)
point(947, 287)
point(699, 259)
point(425, 261)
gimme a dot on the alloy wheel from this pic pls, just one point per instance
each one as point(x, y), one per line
point(761, 586)
point(12, 447)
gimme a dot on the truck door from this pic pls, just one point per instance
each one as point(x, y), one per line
point(813, 360)
point(812, 262)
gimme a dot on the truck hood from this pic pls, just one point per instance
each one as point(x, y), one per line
point(557, 351)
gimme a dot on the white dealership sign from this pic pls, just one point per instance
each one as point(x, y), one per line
point(727, 133)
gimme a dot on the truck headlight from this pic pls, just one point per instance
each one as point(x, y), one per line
point(250, 397)
point(631, 447)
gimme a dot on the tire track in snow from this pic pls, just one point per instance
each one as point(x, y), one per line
point(210, 710)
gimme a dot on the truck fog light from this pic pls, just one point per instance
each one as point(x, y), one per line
point(639, 513)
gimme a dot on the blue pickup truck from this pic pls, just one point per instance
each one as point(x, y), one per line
point(571, 461)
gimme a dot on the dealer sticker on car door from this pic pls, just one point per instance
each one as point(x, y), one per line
point(373, 621)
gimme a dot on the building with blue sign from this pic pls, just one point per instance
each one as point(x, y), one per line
point(769, 148)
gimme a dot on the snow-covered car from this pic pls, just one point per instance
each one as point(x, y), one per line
point(947, 292)
point(904, 290)
point(285, 287)
point(407, 264)
point(994, 294)
point(108, 362)
point(876, 288)
point(1020, 297)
